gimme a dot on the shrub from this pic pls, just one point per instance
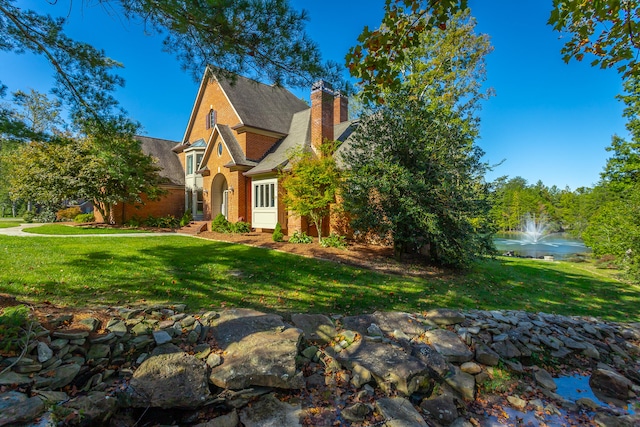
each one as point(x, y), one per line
point(82, 218)
point(277, 235)
point(28, 216)
point(168, 221)
point(186, 218)
point(220, 224)
point(68, 213)
point(333, 241)
point(300, 237)
point(240, 227)
point(133, 222)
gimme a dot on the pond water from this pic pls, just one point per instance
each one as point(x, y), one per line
point(558, 245)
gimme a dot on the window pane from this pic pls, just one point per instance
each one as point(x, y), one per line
point(266, 195)
point(255, 195)
point(189, 165)
point(273, 196)
point(262, 196)
point(198, 161)
point(199, 206)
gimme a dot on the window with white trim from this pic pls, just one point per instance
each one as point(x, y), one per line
point(264, 194)
point(190, 164)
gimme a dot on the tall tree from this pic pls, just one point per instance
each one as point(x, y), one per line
point(414, 173)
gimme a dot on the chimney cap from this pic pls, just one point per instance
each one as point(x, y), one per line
point(322, 85)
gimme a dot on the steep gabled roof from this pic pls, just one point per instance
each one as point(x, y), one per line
point(262, 106)
point(167, 160)
point(237, 155)
point(256, 104)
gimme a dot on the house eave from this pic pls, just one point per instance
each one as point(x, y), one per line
point(243, 128)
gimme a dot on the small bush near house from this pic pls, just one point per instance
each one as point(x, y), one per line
point(168, 221)
point(68, 213)
point(133, 222)
point(186, 218)
point(333, 241)
point(220, 224)
point(28, 216)
point(277, 235)
point(239, 227)
point(300, 237)
point(83, 218)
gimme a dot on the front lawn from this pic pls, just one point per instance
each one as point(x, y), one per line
point(62, 229)
point(9, 222)
point(209, 274)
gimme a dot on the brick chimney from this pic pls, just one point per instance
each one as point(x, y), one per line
point(322, 114)
point(340, 108)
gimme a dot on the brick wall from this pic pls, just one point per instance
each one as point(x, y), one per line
point(171, 203)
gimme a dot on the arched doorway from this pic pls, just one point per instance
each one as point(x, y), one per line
point(219, 196)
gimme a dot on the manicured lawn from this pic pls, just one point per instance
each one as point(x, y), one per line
point(203, 274)
point(9, 222)
point(61, 229)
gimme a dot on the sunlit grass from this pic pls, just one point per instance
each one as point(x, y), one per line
point(62, 229)
point(202, 273)
point(9, 222)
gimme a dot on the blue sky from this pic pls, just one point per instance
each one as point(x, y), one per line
point(549, 120)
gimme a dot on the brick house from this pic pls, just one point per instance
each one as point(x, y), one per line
point(240, 135)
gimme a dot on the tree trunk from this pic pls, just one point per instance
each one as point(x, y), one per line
point(398, 248)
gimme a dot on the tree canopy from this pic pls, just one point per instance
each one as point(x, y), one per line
point(414, 173)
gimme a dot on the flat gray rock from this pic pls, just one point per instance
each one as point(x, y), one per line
point(234, 325)
point(545, 379)
point(386, 322)
point(270, 412)
point(22, 411)
point(610, 383)
point(173, 380)
point(463, 383)
point(265, 358)
point(390, 366)
point(444, 316)
point(449, 345)
point(64, 375)
point(399, 412)
point(317, 328)
point(441, 409)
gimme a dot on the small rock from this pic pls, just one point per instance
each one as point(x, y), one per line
point(463, 383)
point(91, 323)
point(356, 412)
point(444, 316)
point(545, 379)
point(399, 412)
point(610, 383)
point(161, 337)
point(44, 352)
point(517, 402)
point(471, 368)
point(214, 360)
point(486, 356)
point(441, 409)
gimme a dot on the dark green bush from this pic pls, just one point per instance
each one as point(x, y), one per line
point(300, 237)
point(168, 221)
point(239, 227)
point(278, 236)
point(82, 218)
point(220, 224)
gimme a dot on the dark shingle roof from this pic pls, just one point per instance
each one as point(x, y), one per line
point(167, 160)
point(262, 106)
point(299, 137)
point(237, 155)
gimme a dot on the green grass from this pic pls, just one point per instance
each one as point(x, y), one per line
point(203, 274)
point(10, 222)
point(61, 229)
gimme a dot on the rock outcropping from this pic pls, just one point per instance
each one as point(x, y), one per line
point(240, 367)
